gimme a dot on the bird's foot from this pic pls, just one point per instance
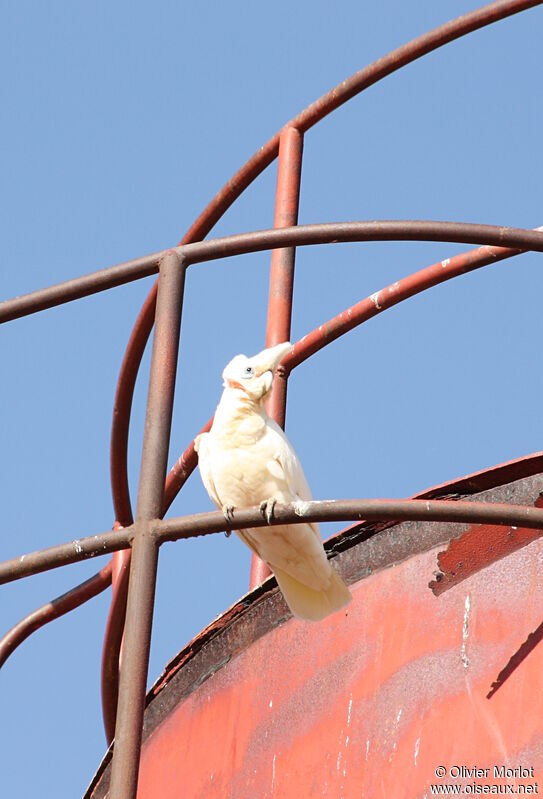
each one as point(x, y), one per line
point(228, 513)
point(266, 508)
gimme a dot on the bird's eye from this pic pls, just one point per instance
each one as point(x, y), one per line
point(248, 371)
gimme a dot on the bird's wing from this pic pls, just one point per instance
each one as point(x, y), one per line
point(286, 466)
point(202, 447)
point(289, 464)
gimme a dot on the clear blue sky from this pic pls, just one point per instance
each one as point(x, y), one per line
point(120, 122)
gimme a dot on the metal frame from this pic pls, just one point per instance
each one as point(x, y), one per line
point(134, 577)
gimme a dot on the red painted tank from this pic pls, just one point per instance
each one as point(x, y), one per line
point(385, 699)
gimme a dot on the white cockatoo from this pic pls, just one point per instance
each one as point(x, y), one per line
point(245, 460)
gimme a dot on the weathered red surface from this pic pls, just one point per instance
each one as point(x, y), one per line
point(479, 546)
point(370, 702)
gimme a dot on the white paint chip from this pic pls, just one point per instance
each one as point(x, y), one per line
point(465, 632)
point(300, 507)
point(375, 300)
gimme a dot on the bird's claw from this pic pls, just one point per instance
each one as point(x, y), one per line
point(228, 513)
point(266, 509)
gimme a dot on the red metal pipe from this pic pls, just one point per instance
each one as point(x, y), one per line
point(144, 562)
point(393, 294)
point(111, 649)
point(113, 638)
point(53, 610)
point(287, 200)
point(181, 470)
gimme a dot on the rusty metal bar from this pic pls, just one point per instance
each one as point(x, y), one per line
point(78, 549)
point(243, 243)
point(143, 567)
point(377, 230)
point(182, 469)
point(287, 199)
point(369, 509)
point(113, 637)
point(111, 649)
point(53, 610)
point(79, 287)
point(431, 510)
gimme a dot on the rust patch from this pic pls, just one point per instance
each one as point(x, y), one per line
point(477, 548)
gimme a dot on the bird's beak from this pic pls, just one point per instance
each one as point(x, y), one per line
point(268, 360)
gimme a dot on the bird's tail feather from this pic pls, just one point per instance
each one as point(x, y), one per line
point(309, 604)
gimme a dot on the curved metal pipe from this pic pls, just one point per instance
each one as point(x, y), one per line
point(53, 610)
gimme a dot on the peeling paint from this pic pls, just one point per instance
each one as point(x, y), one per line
point(375, 300)
point(465, 632)
point(367, 748)
point(349, 711)
point(273, 771)
point(417, 748)
point(78, 547)
point(445, 262)
point(271, 703)
point(300, 507)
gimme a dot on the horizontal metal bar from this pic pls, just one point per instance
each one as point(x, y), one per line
point(295, 513)
point(378, 230)
point(73, 551)
point(79, 287)
point(302, 235)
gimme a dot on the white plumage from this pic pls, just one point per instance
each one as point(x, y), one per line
point(246, 459)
